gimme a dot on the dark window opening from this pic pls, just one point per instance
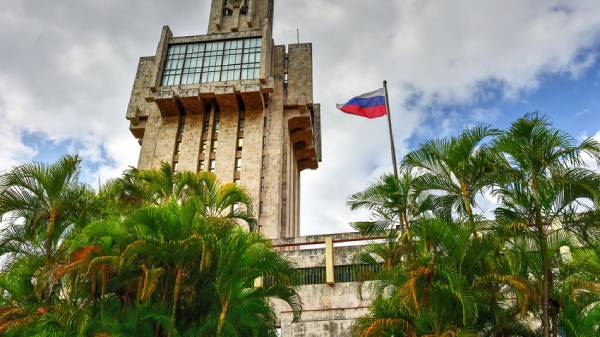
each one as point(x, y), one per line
point(244, 8)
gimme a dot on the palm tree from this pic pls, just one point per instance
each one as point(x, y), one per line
point(160, 186)
point(44, 197)
point(153, 253)
point(392, 199)
point(240, 260)
point(578, 291)
point(547, 181)
point(447, 287)
point(167, 240)
point(459, 168)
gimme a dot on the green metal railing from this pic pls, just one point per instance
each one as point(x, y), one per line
point(344, 273)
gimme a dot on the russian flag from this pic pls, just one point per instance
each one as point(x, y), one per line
point(370, 105)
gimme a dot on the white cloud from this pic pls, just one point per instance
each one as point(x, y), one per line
point(484, 115)
point(581, 66)
point(67, 70)
point(12, 149)
point(435, 53)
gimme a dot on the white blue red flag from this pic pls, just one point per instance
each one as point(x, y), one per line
point(370, 105)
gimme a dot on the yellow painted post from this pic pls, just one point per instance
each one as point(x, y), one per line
point(329, 278)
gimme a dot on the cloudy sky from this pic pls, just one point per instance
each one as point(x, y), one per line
point(67, 67)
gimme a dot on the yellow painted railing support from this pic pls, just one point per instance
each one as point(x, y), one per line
point(329, 278)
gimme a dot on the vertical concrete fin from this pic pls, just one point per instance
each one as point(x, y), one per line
point(329, 277)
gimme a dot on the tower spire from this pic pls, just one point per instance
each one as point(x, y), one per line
point(239, 15)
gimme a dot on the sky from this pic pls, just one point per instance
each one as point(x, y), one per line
point(67, 69)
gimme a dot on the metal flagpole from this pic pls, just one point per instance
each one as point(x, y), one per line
point(389, 118)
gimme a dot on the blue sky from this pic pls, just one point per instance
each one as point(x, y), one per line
point(67, 68)
point(572, 103)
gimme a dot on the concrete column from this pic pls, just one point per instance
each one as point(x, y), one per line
point(329, 276)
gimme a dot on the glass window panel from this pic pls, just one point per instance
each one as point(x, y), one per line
point(202, 62)
point(244, 74)
point(176, 79)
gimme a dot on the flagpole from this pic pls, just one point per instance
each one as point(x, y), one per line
point(389, 118)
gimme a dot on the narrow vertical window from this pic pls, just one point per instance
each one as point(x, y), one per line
point(213, 165)
point(241, 124)
point(227, 8)
point(244, 8)
point(201, 165)
point(216, 123)
point(213, 146)
point(238, 164)
point(240, 143)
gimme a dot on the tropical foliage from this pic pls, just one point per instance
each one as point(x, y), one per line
point(153, 253)
point(529, 267)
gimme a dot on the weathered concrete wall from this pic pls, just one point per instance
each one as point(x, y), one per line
point(328, 310)
point(300, 76)
point(190, 144)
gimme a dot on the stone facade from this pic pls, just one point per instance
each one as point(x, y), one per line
point(328, 309)
point(192, 125)
point(260, 132)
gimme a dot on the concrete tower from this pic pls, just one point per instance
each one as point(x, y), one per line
point(234, 103)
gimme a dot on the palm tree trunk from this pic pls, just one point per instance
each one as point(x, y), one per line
point(546, 268)
point(50, 233)
point(140, 289)
point(222, 317)
point(93, 286)
point(104, 284)
point(176, 291)
point(401, 220)
point(464, 190)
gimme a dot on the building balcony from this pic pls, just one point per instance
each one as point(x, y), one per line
point(305, 136)
point(191, 99)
